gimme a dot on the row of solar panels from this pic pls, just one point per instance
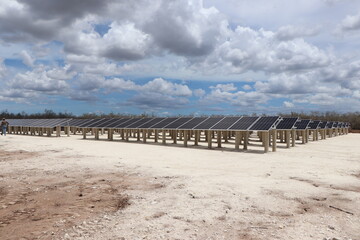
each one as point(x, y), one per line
point(185, 123)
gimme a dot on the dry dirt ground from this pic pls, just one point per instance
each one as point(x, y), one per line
point(69, 188)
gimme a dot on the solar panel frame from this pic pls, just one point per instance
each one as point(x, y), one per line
point(265, 123)
point(192, 123)
point(287, 123)
point(225, 123)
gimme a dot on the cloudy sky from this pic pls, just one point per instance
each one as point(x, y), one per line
point(172, 57)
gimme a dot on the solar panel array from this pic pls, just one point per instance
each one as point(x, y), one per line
point(244, 123)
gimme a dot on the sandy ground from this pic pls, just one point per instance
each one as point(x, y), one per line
point(69, 188)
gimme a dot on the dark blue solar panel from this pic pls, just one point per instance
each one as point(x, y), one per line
point(208, 123)
point(287, 123)
point(303, 124)
point(265, 123)
point(314, 124)
point(225, 123)
point(163, 123)
point(151, 123)
point(192, 123)
point(139, 123)
point(177, 123)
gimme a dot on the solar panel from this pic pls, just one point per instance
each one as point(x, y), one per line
point(106, 122)
point(208, 123)
point(322, 125)
point(113, 124)
point(72, 122)
point(127, 123)
point(225, 123)
point(265, 123)
point(139, 123)
point(287, 123)
point(177, 123)
point(164, 123)
point(244, 123)
point(303, 124)
point(97, 123)
point(192, 123)
point(87, 122)
point(151, 123)
point(336, 124)
point(314, 124)
point(329, 124)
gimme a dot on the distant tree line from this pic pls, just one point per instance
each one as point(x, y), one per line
point(353, 118)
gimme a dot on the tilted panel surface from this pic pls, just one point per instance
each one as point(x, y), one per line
point(82, 122)
point(322, 125)
point(208, 123)
point(336, 124)
point(164, 123)
point(287, 123)
point(90, 122)
point(72, 122)
point(107, 122)
point(225, 123)
point(329, 124)
point(117, 122)
point(127, 123)
point(139, 123)
point(303, 124)
point(193, 123)
point(244, 123)
point(177, 123)
point(265, 123)
point(97, 123)
point(151, 123)
point(314, 124)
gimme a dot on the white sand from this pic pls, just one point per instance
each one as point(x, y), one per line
point(213, 194)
